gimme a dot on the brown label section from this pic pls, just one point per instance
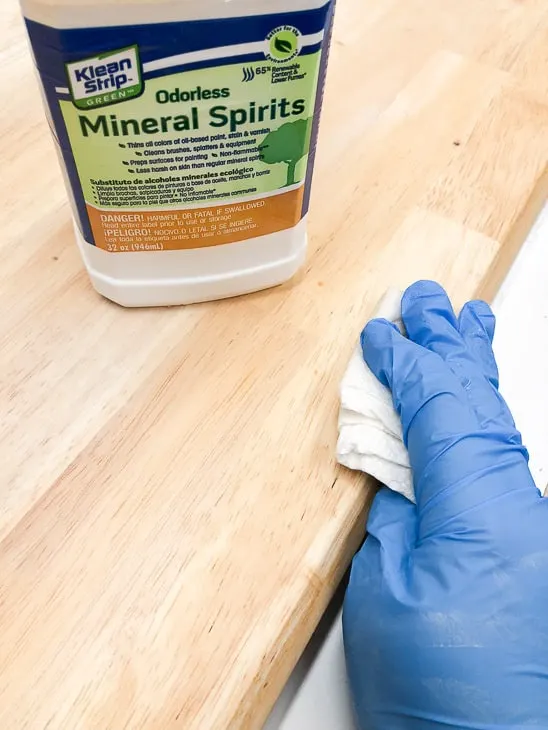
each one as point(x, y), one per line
point(169, 230)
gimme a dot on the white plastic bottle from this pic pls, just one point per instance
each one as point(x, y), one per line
point(187, 131)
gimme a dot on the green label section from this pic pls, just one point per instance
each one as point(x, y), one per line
point(207, 135)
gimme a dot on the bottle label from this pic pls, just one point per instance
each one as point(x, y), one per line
point(187, 135)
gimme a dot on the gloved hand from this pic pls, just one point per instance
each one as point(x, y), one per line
point(446, 614)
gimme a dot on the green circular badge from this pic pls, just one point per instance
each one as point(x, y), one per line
point(283, 44)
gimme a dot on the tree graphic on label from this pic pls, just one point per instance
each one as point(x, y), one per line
point(288, 144)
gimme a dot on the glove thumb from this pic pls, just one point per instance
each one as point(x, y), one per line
point(392, 529)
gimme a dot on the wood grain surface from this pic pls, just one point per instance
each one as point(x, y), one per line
point(172, 520)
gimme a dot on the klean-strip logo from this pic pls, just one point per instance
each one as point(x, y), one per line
point(106, 79)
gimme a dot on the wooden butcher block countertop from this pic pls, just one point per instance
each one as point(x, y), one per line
point(172, 520)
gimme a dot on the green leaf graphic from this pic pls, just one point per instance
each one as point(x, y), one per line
point(283, 46)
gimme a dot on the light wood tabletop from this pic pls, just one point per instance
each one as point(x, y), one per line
point(172, 520)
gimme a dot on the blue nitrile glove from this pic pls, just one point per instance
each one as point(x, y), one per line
point(446, 615)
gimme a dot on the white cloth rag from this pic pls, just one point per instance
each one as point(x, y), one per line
point(370, 432)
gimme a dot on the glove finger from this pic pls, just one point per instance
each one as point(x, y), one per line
point(481, 312)
point(446, 441)
point(417, 378)
point(477, 328)
point(430, 321)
